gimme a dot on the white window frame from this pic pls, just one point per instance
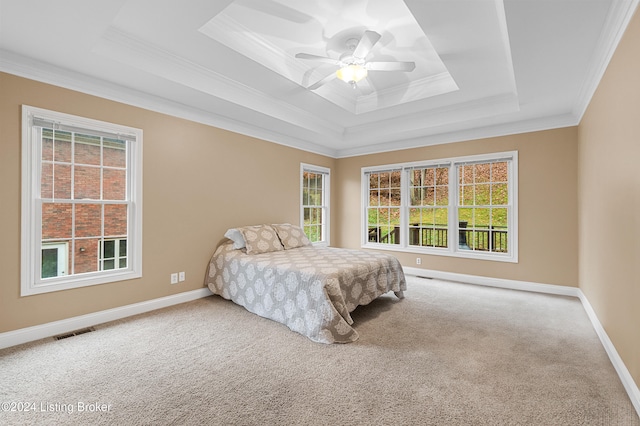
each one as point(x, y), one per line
point(31, 228)
point(326, 173)
point(452, 248)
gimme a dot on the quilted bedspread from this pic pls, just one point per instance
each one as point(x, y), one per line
point(312, 290)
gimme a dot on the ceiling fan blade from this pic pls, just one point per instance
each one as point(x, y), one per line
point(365, 87)
point(369, 38)
point(322, 82)
point(317, 58)
point(391, 66)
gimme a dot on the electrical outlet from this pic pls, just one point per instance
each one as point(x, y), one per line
point(174, 278)
point(181, 276)
point(418, 261)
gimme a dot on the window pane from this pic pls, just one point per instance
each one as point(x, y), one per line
point(429, 179)
point(49, 262)
point(442, 176)
point(442, 195)
point(429, 197)
point(395, 197)
point(62, 181)
point(482, 172)
point(482, 195)
point(88, 220)
point(372, 216)
point(46, 150)
point(114, 184)
point(466, 195)
point(86, 183)
point(374, 197)
point(384, 180)
point(123, 248)
point(499, 172)
point(385, 197)
point(86, 149)
point(499, 218)
point(374, 180)
point(46, 180)
point(466, 174)
point(109, 264)
point(465, 217)
point(56, 221)
point(114, 153)
point(122, 263)
point(482, 218)
point(415, 177)
point(115, 220)
point(396, 179)
point(499, 194)
point(109, 249)
point(86, 255)
point(441, 217)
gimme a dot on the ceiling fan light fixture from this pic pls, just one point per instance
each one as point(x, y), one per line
point(351, 73)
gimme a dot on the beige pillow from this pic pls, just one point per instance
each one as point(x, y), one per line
point(260, 239)
point(292, 236)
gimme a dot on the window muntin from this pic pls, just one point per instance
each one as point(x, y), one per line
point(314, 193)
point(81, 188)
point(464, 207)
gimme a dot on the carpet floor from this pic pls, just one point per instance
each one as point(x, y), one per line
point(448, 354)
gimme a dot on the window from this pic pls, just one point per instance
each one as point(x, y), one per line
point(82, 197)
point(314, 201)
point(465, 207)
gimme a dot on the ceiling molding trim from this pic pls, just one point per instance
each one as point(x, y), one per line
point(446, 136)
point(129, 49)
point(225, 31)
point(423, 88)
point(21, 66)
point(616, 23)
point(433, 118)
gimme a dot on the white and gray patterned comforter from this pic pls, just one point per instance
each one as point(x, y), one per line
point(312, 290)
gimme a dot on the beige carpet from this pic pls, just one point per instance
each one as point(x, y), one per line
point(448, 354)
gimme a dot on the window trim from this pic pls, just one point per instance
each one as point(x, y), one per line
point(326, 228)
point(453, 238)
point(31, 236)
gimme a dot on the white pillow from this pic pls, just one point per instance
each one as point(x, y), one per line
point(236, 236)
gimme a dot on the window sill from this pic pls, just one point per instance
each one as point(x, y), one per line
point(496, 257)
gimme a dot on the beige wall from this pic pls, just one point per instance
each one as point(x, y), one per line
point(609, 200)
point(547, 193)
point(198, 181)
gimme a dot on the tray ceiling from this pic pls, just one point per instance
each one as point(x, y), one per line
point(483, 67)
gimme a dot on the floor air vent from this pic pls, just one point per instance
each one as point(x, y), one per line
point(74, 333)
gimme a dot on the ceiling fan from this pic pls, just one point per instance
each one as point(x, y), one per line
point(353, 66)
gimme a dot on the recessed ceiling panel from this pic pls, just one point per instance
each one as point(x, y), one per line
point(272, 32)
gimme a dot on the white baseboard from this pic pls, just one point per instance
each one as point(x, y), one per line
point(29, 334)
point(559, 290)
point(625, 377)
point(627, 380)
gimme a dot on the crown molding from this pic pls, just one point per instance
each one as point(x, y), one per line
point(443, 136)
point(127, 48)
point(13, 63)
point(614, 28)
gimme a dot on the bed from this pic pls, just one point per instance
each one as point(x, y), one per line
point(274, 272)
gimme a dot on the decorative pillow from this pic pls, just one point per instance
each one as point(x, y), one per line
point(260, 239)
point(291, 236)
point(237, 238)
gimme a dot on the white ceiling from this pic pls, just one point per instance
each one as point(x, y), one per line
point(483, 67)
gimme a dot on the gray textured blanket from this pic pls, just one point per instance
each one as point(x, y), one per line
point(312, 290)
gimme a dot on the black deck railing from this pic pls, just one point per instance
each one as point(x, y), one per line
point(489, 239)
